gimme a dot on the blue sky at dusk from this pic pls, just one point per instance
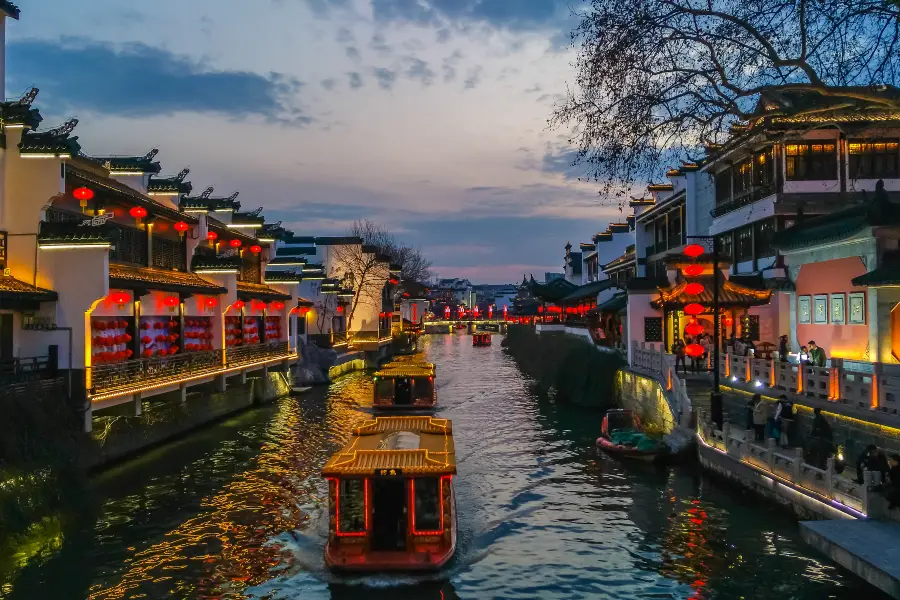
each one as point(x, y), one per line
point(428, 116)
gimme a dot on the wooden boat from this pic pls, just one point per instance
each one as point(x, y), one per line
point(481, 339)
point(621, 435)
point(405, 386)
point(390, 496)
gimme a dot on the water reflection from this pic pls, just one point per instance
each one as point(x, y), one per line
point(238, 511)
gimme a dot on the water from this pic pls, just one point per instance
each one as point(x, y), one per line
point(237, 511)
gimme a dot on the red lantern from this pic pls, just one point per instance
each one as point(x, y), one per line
point(211, 302)
point(171, 301)
point(235, 243)
point(303, 311)
point(278, 305)
point(694, 309)
point(729, 321)
point(693, 270)
point(181, 227)
point(694, 250)
point(212, 236)
point(119, 298)
point(694, 288)
point(238, 304)
point(693, 350)
point(138, 212)
point(693, 329)
point(255, 249)
point(83, 194)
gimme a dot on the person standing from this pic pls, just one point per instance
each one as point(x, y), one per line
point(821, 441)
point(678, 351)
point(783, 348)
point(784, 417)
point(760, 417)
point(816, 355)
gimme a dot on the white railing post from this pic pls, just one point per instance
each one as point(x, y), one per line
point(770, 453)
point(726, 433)
point(829, 476)
point(797, 464)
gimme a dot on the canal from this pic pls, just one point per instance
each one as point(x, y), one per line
point(237, 511)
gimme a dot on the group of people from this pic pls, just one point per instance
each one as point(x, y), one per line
point(698, 363)
point(811, 354)
point(778, 425)
point(874, 459)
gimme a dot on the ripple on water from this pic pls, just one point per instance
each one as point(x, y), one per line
point(238, 511)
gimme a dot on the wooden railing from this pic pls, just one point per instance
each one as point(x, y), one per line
point(860, 385)
point(787, 464)
point(242, 355)
point(168, 254)
point(742, 199)
point(19, 370)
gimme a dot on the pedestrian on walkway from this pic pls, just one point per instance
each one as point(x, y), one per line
point(892, 489)
point(760, 417)
point(816, 355)
point(783, 348)
point(820, 443)
point(784, 417)
point(678, 351)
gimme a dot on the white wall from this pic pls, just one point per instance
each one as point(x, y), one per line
point(638, 308)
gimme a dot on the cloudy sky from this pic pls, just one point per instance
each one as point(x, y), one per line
point(428, 116)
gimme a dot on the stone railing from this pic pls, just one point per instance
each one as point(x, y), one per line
point(855, 384)
point(787, 465)
point(242, 355)
point(662, 367)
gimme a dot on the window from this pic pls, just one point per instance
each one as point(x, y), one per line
point(811, 160)
point(723, 186)
point(744, 244)
point(743, 176)
point(753, 327)
point(652, 329)
point(725, 248)
point(428, 504)
point(351, 506)
point(675, 228)
point(762, 168)
point(874, 160)
point(764, 232)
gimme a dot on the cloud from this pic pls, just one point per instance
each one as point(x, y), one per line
point(353, 53)
point(473, 77)
point(443, 35)
point(345, 36)
point(379, 44)
point(534, 89)
point(562, 161)
point(385, 77)
point(355, 80)
point(448, 66)
point(139, 80)
point(329, 83)
point(419, 70)
point(506, 14)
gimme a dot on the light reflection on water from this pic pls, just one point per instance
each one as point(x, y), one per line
point(236, 511)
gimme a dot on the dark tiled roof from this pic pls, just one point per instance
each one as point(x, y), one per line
point(282, 276)
point(885, 274)
point(273, 230)
point(57, 234)
point(588, 290)
point(730, 294)
point(282, 251)
point(171, 185)
point(614, 304)
point(248, 218)
point(130, 195)
point(576, 262)
point(201, 262)
point(52, 141)
point(620, 261)
point(644, 284)
point(300, 239)
point(226, 232)
point(286, 261)
point(206, 201)
point(20, 112)
point(145, 278)
point(834, 227)
point(586, 247)
point(554, 291)
point(143, 164)
point(259, 292)
point(338, 241)
point(18, 295)
point(9, 8)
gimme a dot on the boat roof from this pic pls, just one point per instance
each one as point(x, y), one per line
point(410, 445)
point(405, 371)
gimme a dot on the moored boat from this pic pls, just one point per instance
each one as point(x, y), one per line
point(621, 435)
point(405, 386)
point(391, 500)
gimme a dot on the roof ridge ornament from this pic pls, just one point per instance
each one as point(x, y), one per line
point(64, 129)
point(28, 97)
point(150, 155)
point(233, 197)
point(207, 192)
point(181, 175)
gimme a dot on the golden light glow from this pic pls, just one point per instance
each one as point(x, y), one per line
point(127, 173)
point(87, 341)
point(72, 246)
point(245, 225)
point(44, 155)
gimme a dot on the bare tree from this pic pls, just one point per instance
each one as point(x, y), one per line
point(659, 78)
point(363, 272)
point(325, 310)
point(414, 266)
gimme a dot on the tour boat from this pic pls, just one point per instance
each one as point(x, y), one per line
point(390, 497)
point(405, 386)
point(621, 435)
point(481, 339)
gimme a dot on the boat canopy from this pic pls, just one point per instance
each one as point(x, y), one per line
point(406, 371)
point(368, 451)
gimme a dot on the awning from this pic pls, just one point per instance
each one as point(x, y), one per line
point(145, 279)
point(614, 304)
point(256, 291)
point(730, 294)
point(18, 295)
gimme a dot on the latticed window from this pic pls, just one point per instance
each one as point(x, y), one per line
point(743, 176)
point(725, 248)
point(874, 159)
point(811, 161)
point(168, 254)
point(723, 186)
point(129, 245)
point(653, 329)
point(764, 232)
point(762, 168)
point(744, 244)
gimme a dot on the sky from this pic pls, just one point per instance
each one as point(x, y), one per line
point(426, 116)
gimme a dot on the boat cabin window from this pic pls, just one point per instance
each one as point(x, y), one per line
point(384, 389)
point(424, 388)
point(620, 420)
point(352, 506)
point(428, 503)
